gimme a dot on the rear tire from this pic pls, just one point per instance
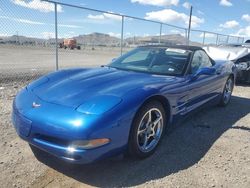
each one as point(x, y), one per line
point(227, 92)
point(147, 130)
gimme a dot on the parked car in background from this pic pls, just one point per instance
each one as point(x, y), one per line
point(84, 115)
point(239, 54)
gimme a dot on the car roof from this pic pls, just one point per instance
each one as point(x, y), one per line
point(184, 47)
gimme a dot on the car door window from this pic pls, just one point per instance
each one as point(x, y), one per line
point(200, 60)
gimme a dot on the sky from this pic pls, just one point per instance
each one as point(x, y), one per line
point(35, 18)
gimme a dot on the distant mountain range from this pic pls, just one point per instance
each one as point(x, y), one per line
point(98, 39)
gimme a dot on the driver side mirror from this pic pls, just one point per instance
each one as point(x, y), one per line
point(203, 71)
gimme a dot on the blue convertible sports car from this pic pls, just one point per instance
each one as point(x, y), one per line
point(84, 115)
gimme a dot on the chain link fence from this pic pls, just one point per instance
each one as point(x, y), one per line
point(52, 35)
point(23, 57)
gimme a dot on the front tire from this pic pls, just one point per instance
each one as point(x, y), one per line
point(227, 92)
point(147, 130)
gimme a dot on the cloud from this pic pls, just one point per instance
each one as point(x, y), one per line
point(128, 34)
point(186, 5)
point(4, 35)
point(159, 3)
point(70, 34)
point(68, 26)
point(207, 35)
point(104, 16)
point(96, 17)
point(37, 5)
point(118, 35)
point(219, 29)
point(112, 16)
point(244, 32)
point(29, 22)
point(174, 31)
point(246, 17)
point(48, 35)
point(200, 12)
point(26, 21)
point(171, 16)
point(226, 3)
point(230, 24)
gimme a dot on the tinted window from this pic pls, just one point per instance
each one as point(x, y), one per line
point(156, 60)
point(137, 57)
point(200, 60)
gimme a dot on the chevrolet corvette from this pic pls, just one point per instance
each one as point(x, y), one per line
point(87, 114)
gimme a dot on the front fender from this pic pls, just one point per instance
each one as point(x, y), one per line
point(120, 118)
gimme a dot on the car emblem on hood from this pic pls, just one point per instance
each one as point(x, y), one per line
point(35, 105)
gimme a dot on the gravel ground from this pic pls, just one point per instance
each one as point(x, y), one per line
point(209, 149)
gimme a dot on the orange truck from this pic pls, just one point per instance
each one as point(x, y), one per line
point(69, 43)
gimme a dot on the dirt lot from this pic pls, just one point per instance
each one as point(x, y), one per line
point(209, 149)
point(21, 58)
point(29, 62)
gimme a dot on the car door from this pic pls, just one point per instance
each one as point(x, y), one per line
point(202, 88)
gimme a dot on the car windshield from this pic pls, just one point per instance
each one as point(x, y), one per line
point(155, 60)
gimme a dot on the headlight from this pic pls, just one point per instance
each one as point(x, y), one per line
point(242, 66)
point(88, 144)
point(99, 105)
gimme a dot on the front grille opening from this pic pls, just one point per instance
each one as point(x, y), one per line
point(53, 140)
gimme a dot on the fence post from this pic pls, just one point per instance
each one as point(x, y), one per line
point(121, 42)
point(56, 35)
point(217, 38)
point(227, 39)
point(160, 33)
point(204, 35)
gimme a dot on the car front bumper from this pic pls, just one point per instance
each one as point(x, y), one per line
point(63, 151)
point(52, 128)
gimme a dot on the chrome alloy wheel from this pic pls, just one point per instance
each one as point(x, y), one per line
point(228, 91)
point(150, 130)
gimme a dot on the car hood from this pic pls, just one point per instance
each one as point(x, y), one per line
point(74, 88)
point(226, 53)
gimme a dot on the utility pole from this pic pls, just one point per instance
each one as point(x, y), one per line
point(189, 25)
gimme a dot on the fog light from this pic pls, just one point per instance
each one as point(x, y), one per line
point(89, 144)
